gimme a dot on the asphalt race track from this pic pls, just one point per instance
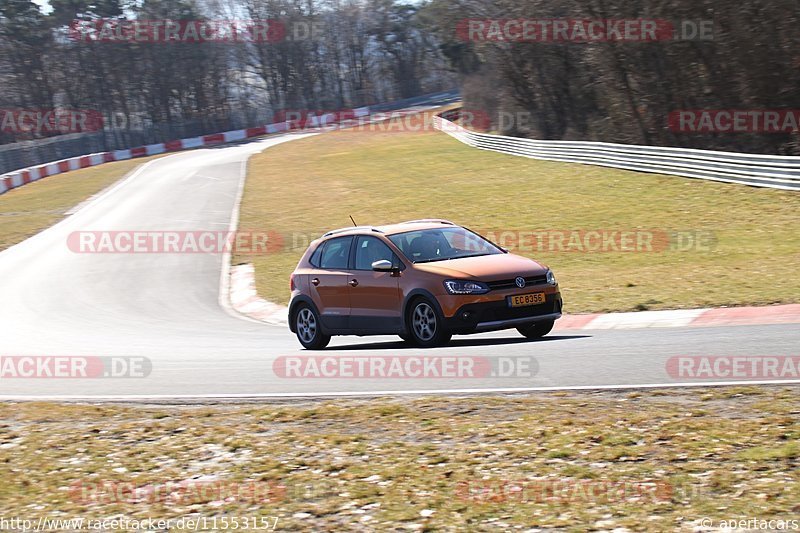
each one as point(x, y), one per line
point(166, 308)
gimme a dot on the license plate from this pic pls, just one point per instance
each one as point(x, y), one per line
point(521, 300)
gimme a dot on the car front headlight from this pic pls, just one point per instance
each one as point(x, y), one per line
point(551, 278)
point(455, 286)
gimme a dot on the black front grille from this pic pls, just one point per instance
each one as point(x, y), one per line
point(511, 284)
point(470, 315)
point(504, 312)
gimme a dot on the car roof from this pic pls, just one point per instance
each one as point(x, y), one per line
point(390, 229)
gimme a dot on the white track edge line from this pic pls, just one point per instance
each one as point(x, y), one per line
point(312, 395)
point(225, 268)
point(224, 297)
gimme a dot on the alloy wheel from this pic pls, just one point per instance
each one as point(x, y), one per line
point(306, 325)
point(423, 321)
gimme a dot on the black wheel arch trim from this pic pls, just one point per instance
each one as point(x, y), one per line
point(294, 304)
point(414, 294)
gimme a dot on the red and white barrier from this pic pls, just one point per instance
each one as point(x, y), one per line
point(724, 316)
point(21, 177)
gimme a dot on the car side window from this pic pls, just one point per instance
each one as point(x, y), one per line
point(371, 249)
point(424, 245)
point(315, 257)
point(336, 253)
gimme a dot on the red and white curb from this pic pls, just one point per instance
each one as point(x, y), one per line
point(723, 316)
point(21, 177)
point(245, 299)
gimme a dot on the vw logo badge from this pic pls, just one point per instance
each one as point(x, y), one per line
point(520, 281)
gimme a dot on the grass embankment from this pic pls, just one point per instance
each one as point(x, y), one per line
point(406, 464)
point(29, 209)
point(304, 188)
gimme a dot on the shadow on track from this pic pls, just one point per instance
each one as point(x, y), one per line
point(457, 342)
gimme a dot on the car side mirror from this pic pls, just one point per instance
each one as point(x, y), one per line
point(383, 265)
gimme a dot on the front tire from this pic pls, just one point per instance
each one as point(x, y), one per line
point(426, 326)
point(309, 329)
point(537, 330)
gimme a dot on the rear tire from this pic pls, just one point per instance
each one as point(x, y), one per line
point(309, 329)
point(537, 330)
point(425, 325)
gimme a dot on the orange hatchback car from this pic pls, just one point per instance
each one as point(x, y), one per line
point(424, 280)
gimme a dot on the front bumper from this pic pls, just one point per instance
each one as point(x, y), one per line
point(495, 315)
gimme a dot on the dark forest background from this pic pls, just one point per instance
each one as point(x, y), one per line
point(380, 50)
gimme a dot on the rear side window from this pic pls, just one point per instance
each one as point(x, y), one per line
point(315, 257)
point(336, 253)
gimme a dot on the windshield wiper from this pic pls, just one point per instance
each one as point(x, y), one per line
point(433, 260)
point(449, 258)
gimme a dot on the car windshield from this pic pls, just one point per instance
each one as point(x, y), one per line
point(425, 246)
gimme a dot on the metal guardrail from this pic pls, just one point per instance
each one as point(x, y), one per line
point(776, 172)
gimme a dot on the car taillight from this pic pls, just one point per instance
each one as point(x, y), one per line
point(291, 282)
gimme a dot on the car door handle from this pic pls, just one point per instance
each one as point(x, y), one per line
point(353, 282)
point(315, 281)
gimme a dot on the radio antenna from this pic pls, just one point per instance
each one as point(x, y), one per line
point(353, 221)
